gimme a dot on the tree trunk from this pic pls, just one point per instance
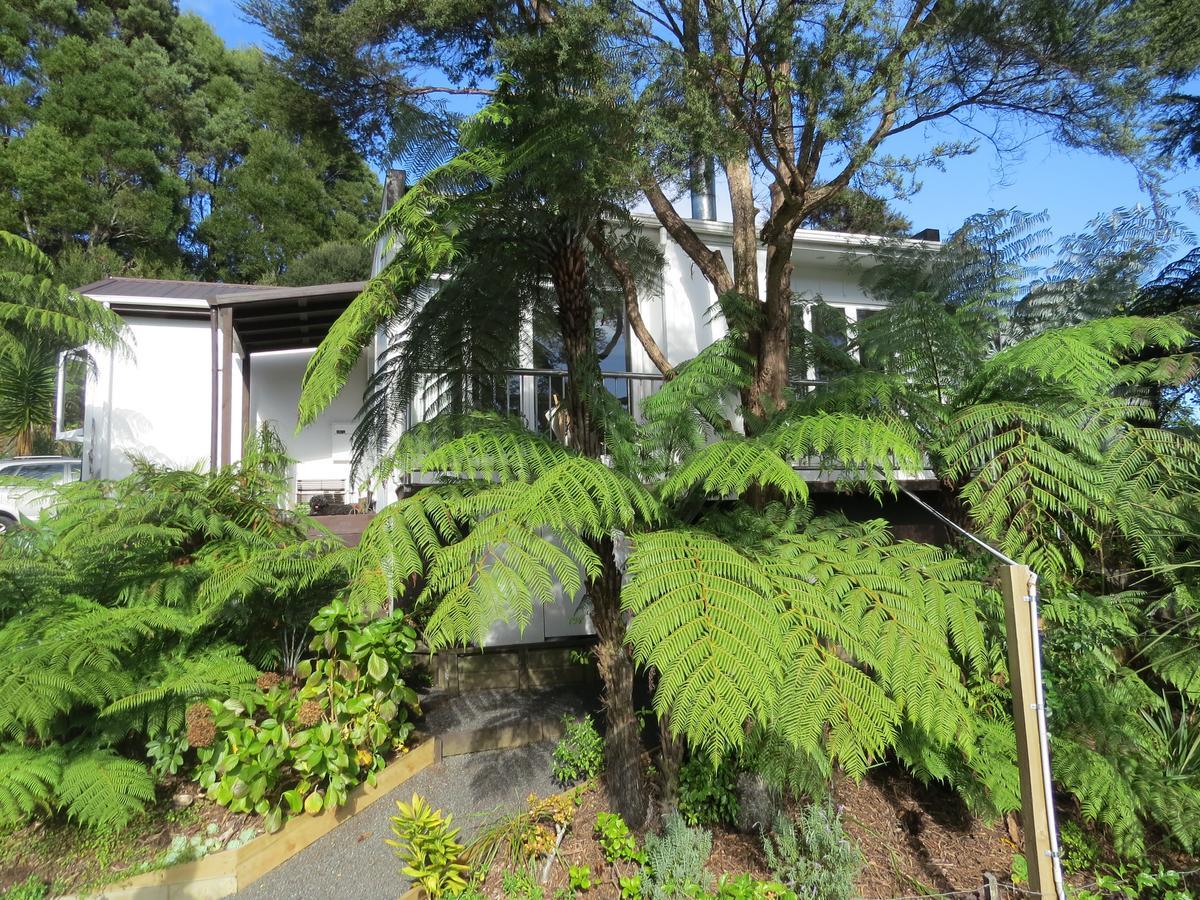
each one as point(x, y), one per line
point(625, 777)
point(773, 339)
point(622, 744)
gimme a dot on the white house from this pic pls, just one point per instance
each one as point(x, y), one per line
point(208, 362)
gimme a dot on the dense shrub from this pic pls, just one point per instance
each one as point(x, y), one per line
point(127, 602)
point(580, 752)
point(708, 794)
point(303, 747)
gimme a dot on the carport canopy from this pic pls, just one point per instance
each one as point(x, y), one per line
point(257, 321)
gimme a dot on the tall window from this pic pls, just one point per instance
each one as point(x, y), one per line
point(72, 393)
point(831, 330)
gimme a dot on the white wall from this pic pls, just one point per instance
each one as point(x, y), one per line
point(275, 380)
point(153, 402)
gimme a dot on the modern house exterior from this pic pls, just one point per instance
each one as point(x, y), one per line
point(207, 363)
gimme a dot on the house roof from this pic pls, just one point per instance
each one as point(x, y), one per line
point(163, 288)
point(290, 318)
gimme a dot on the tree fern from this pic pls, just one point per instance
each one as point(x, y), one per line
point(707, 618)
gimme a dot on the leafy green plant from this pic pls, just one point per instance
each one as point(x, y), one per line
point(675, 860)
point(519, 885)
point(1137, 883)
point(32, 888)
point(579, 878)
point(707, 793)
point(747, 887)
point(1079, 850)
point(631, 886)
point(579, 754)
point(428, 846)
point(813, 856)
point(302, 748)
point(166, 754)
point(617, 842)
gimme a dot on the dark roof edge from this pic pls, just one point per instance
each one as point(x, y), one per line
point(341, 288)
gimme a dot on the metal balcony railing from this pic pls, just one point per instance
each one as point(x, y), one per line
point(527, 393)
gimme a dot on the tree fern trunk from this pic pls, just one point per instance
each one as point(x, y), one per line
point(623, 746)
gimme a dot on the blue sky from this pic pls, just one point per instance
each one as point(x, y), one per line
point(1071, 185)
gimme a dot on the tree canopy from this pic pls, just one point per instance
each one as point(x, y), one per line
point(135, 141)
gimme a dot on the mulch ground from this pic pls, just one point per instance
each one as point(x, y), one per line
point(920, 839)
point(69, 859)
point(915, 840)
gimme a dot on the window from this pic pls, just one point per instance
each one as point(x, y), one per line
point(71, 397)
point(831, 330)
point(50, 471)
point(611, 348)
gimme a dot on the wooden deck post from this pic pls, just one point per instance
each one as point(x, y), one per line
point(1036, 822)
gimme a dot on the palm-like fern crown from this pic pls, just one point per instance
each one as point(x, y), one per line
point(34, 307)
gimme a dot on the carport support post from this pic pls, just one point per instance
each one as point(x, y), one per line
point(225, 316)
point(1023, 669)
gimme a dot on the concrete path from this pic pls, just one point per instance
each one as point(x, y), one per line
point(352, 862)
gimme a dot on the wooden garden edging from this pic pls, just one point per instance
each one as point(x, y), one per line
point(229, 871)
point(225, 873)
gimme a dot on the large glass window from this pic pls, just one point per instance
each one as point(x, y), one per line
point(611, 348)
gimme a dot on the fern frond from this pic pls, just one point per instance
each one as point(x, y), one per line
point(731, 467)
point(706, 617)
point(99, 789)
point(29, 778)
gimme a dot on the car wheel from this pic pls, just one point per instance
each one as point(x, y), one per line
point(6, 522)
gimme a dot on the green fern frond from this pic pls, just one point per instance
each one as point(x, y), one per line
point(475, 445)
point(706, 617)
point(99, 789)
point(497, 573)
point(29, 778)
point(733, 466)
point(871, 450)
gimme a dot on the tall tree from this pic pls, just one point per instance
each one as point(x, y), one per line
point(128, 127)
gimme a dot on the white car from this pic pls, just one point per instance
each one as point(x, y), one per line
point(23, 500)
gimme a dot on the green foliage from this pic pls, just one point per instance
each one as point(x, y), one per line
point(154, 150)
point(708, 793)
point(617, 842)
point(302, 749)
point(428, 846)
point(675, 860)
point(1137, 881)
point(579, 754)
point(32, 888)
point(813, 856)
point(747, 887)
point(520, 885)
point(124, 604)
point(579, 878)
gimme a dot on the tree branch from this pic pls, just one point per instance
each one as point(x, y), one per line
point(633, 313)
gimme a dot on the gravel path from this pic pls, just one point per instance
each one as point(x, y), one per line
point(352, 862)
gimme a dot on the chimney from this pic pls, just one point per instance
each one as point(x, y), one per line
point(703, 182)
point(932, 235)
point(394, 184)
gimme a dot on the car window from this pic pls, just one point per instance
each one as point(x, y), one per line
point(41, 471)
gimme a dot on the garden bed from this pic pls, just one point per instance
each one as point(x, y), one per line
point(66, 858)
